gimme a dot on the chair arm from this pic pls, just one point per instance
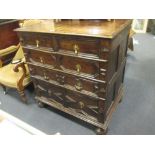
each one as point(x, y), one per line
point(16, 69)
point(7, 54)
point(8, 50)
point(1, 63)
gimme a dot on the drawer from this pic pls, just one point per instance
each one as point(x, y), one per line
point(75, 65)
point(87, 106)
point(35, 56)
point(37, 40)
point(79, 44)
point(77, 83)
point(80, 66)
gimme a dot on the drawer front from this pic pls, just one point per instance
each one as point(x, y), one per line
point(37, 40)
point(79, 44)
point(77, 83)
point(81, 66)
point(35, 56)
point(68, 64)
point(84, 105)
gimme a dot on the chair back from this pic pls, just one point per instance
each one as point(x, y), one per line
point(19, 54)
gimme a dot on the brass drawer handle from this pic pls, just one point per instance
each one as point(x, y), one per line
point(76, 49)
point(78, 68)
point(41, 60)
point(81, 104)
point(78, 86)
point(37, 43)
point(46, 77)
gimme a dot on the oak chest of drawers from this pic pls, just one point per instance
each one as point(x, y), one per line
point(78, 66)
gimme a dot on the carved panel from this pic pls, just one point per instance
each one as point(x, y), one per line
point(86, 106)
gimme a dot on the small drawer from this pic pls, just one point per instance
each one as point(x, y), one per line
point(79, 66)
point(79, 44)
point(36, 56)
point(37, 40)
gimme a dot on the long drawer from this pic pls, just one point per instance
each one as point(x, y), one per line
point(75, 44)
point(77, 83)
point(87, 106)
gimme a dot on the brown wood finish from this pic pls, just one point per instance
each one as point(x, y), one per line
point(7, 38)
point(78, 66)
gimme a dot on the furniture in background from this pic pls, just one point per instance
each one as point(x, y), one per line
point(140, 25)
point(130, 41)
point(151, 26)
point(7, 38)
point(16, 73)
point(78, 67)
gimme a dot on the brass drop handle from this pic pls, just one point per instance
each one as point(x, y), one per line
point(76, 49)
point(78, 68)
point(41, 60)
point(37, 43)
point(78, 86)
point(62, 79)
point(81, 104)
point(45, 77)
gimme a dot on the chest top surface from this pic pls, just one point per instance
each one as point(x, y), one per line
point(92, 28)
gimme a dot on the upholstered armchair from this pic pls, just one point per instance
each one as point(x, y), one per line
point(15, 74)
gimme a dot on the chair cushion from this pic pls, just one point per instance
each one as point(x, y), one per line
point(10, 78)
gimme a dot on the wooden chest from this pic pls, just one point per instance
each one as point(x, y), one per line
point(77, 66)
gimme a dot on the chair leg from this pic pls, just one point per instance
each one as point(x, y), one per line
point(4, 89)
point(22, 95)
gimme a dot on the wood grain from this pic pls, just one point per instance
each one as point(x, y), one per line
point(75, 70)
